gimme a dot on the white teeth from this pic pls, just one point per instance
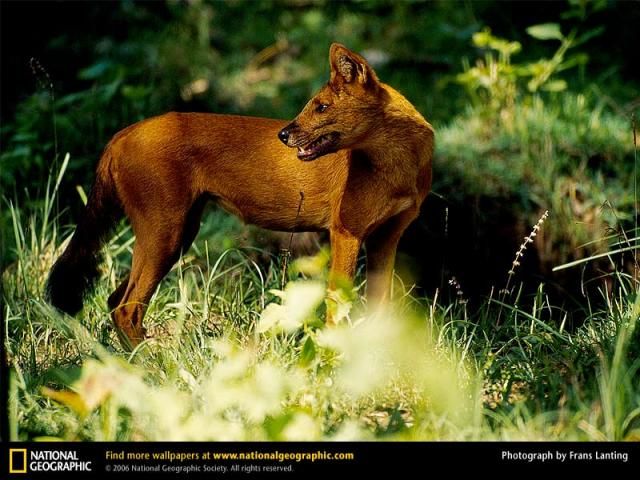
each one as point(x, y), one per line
point(300, 150)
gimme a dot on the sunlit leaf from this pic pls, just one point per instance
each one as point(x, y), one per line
point(313, 266)
point(545, 31)
point(555, 86)
point(308, 352)
point(68, 398)
point(274, 425)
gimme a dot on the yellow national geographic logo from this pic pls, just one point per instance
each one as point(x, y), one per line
point(17, 460)
point(44, 459)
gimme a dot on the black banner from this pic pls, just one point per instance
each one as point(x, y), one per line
point(211, 460)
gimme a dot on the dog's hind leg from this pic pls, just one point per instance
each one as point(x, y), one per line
point(150, 264)
point(158, 246)
point(154, 254)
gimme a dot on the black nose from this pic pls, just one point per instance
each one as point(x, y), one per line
point(283, 135)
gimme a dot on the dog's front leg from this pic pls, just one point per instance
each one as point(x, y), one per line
point(381, 253)
point(344, 256)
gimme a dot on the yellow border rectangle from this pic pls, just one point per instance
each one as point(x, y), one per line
point(24, 461)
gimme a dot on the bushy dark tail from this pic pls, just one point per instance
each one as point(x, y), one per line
point(75, 272)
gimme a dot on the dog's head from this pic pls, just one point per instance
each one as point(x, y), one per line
point(342, 113)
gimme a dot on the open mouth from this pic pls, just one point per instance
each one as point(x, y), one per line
point(321, 146)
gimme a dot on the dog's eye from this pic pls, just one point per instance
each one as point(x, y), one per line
point(322, 107)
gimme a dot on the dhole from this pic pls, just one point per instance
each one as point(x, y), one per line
point(359, 152)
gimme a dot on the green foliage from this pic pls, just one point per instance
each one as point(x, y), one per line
point(219, 368)
point(569, 157)
point(528, 141)
point(495, 82)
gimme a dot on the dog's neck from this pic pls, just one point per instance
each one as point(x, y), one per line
point(388, 145)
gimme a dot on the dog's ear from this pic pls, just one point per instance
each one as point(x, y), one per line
point(348, 67)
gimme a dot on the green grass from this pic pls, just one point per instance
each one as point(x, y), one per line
point(232, 358)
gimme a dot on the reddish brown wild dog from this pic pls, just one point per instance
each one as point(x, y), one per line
point(359, 152)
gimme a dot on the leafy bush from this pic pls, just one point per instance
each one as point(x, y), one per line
point(495, 83)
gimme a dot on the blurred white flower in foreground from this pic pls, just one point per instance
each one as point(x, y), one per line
point(299, 302)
